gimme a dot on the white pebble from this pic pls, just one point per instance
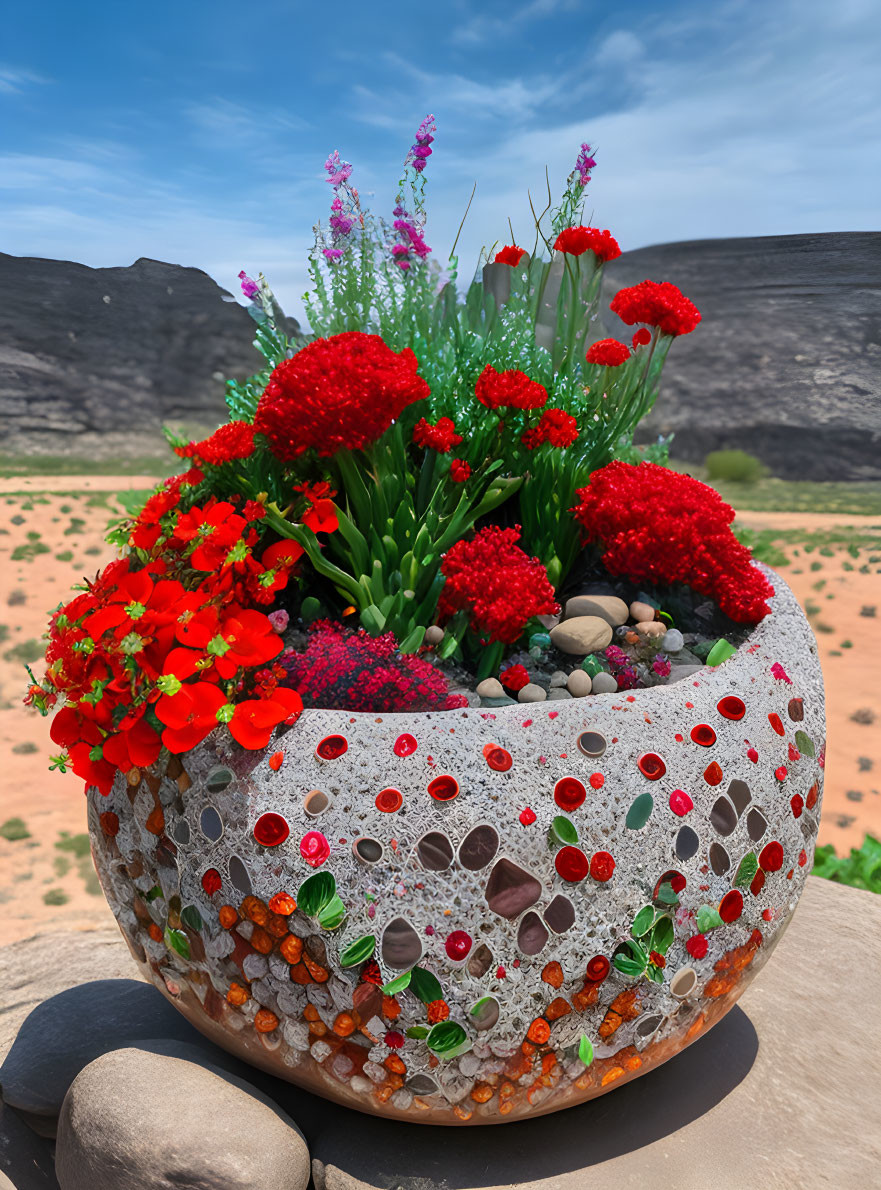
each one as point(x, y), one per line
point(603, 683)
point(531, 693)
point(673, 641)
point(491, 688)
point(579, 683)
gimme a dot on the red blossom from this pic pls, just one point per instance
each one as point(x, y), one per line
point(659, 527)
point(511, 389)
point(510, 254)
point(658, 304)
point(339, 393)
point(254, 720)
point(498, 584)
point(642, 337)
point(515, 677)
point(577, 240)
point(556, 427)
point(609, 353)
point(460, 471)
point(189, 715)
point(235, 440)
point(441, 437)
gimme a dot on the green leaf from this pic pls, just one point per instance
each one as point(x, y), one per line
point(666, 894)
point(316, 892)
point(192, 918)
point(662, 935)
point(177, 940)
point(331, 915)
point(746, 869)
point(358, 951)
point(425, 986)
point(397, 985)
point(563, 830)
point(418, 1031)
point(628, 966)
point(655, 974)
point(585, 1050)
point(643, 921)
point(373, 620)
point(446, 1039)
point(639, 812)
point(804, 744)
point(153, 893)
point(708, 919)
point(720, 652)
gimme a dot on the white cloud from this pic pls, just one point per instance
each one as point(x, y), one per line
point(482, 27)
point(13, 81)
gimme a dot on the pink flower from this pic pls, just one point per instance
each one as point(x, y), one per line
point(279, 619)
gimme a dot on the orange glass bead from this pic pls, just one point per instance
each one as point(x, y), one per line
point(265, 1021)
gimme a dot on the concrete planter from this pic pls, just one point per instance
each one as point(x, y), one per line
point(699, 799)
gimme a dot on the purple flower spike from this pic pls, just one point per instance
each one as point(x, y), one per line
point(584, 164)
point(338, 171)
point(249, 288)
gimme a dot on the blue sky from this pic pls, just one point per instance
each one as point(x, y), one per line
point(196, 133)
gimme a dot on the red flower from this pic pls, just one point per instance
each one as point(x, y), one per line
point(254, 720)
point(577, 240)
point(510, 254)
point(510, 389)
point(515, 677)
point(499, 585)
point(340, 393)
point(282, 553)
point(609, 353)
point(658, 304)
point(235, 440)
point(441, 437)
point(147, 529)
point(459, 471)
point(642, 337)
point(556, 426)
point(659, 527)
point(190, 715)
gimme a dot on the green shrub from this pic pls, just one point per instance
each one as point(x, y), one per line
point(861, 869)
point(734, 465)
point(14, 829)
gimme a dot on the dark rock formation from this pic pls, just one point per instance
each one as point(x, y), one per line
point(785, 363)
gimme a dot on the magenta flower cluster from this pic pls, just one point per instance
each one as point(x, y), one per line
point(342, 209)
point(420, 151)
point(249, 288)
point(411, 243)
point(584, 164)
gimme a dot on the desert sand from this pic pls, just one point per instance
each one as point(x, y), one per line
point(52, 534)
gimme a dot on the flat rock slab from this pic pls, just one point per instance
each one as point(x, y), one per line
point(782, 1093)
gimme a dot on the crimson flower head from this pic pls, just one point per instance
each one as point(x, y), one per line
point(515, 677)
point(441, 437)
point(642, 338)
point(459, 471)
point(609, 353)
point(233, 441)
point(556, 427)
point(656, 303)
point(339, 393)
point(511, 389)
point(577, 240)
point(510, 254)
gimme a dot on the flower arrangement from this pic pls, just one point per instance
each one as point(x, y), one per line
point(429, 462)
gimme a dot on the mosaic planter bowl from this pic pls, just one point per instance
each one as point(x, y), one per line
point(495, 863)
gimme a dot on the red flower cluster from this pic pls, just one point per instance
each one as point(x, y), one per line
point(609, 353)
point(642, 337)
point(514, 678)
point(661, 527)
point(512, 389)
point(147, 528)
point(510, 254)
point(235, 440)
point(555, 426)
point(353, 671)
point(441, 437)
point(498, 584)
point(340, 393)
point(657, 303)
point(577, 240)
point(460, 471)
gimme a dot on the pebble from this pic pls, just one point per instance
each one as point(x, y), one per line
point(491, 688)
point(641, 611)
point(556, 695)
point(652, 627)
point(579, 683)
point(673, 641)
point(531, 693)
point(558, 679)
point(540, 641)
point(582, 634)
point(433, 635)
point(604, 683)
point(607, 607)
point(123, 1126)
point(492, 703)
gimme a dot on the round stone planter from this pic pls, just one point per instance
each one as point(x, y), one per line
point(495, 863)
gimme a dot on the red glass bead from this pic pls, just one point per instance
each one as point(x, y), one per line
point(394, 1040)
point(275, 761)
point(598, 968)
point(703, 734)
point(571, 863)
point(771, 857)
point(332, 747)
point(527, 817)
point(731, 905)
point(314, 848)
point(713, 773)
point(755, 938)
point(697, 946)
point(798, 804)
point(211, 881)
point(680, 803)
point(405, 745)
point(802, 858)
point(602, 866)
point(752, 755)
point(812, 795)
point(271, 829)
point(497, 758)
point(794, 753)
point(109, 823)
point(731, 707)
point(651, 766)
point(781, 773)
point(597, 780)
point(675, 879)
point(458, 945)
point(569, 793)
point(758, 883)
point(444, 788)
point(774, 720)
point(389, 800)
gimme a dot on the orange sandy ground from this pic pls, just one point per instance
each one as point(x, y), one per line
point(46, 877)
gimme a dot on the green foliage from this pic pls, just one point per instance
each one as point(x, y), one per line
point(860, 869)
point(14, 829)
point(26, 652)
point(734, 465)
